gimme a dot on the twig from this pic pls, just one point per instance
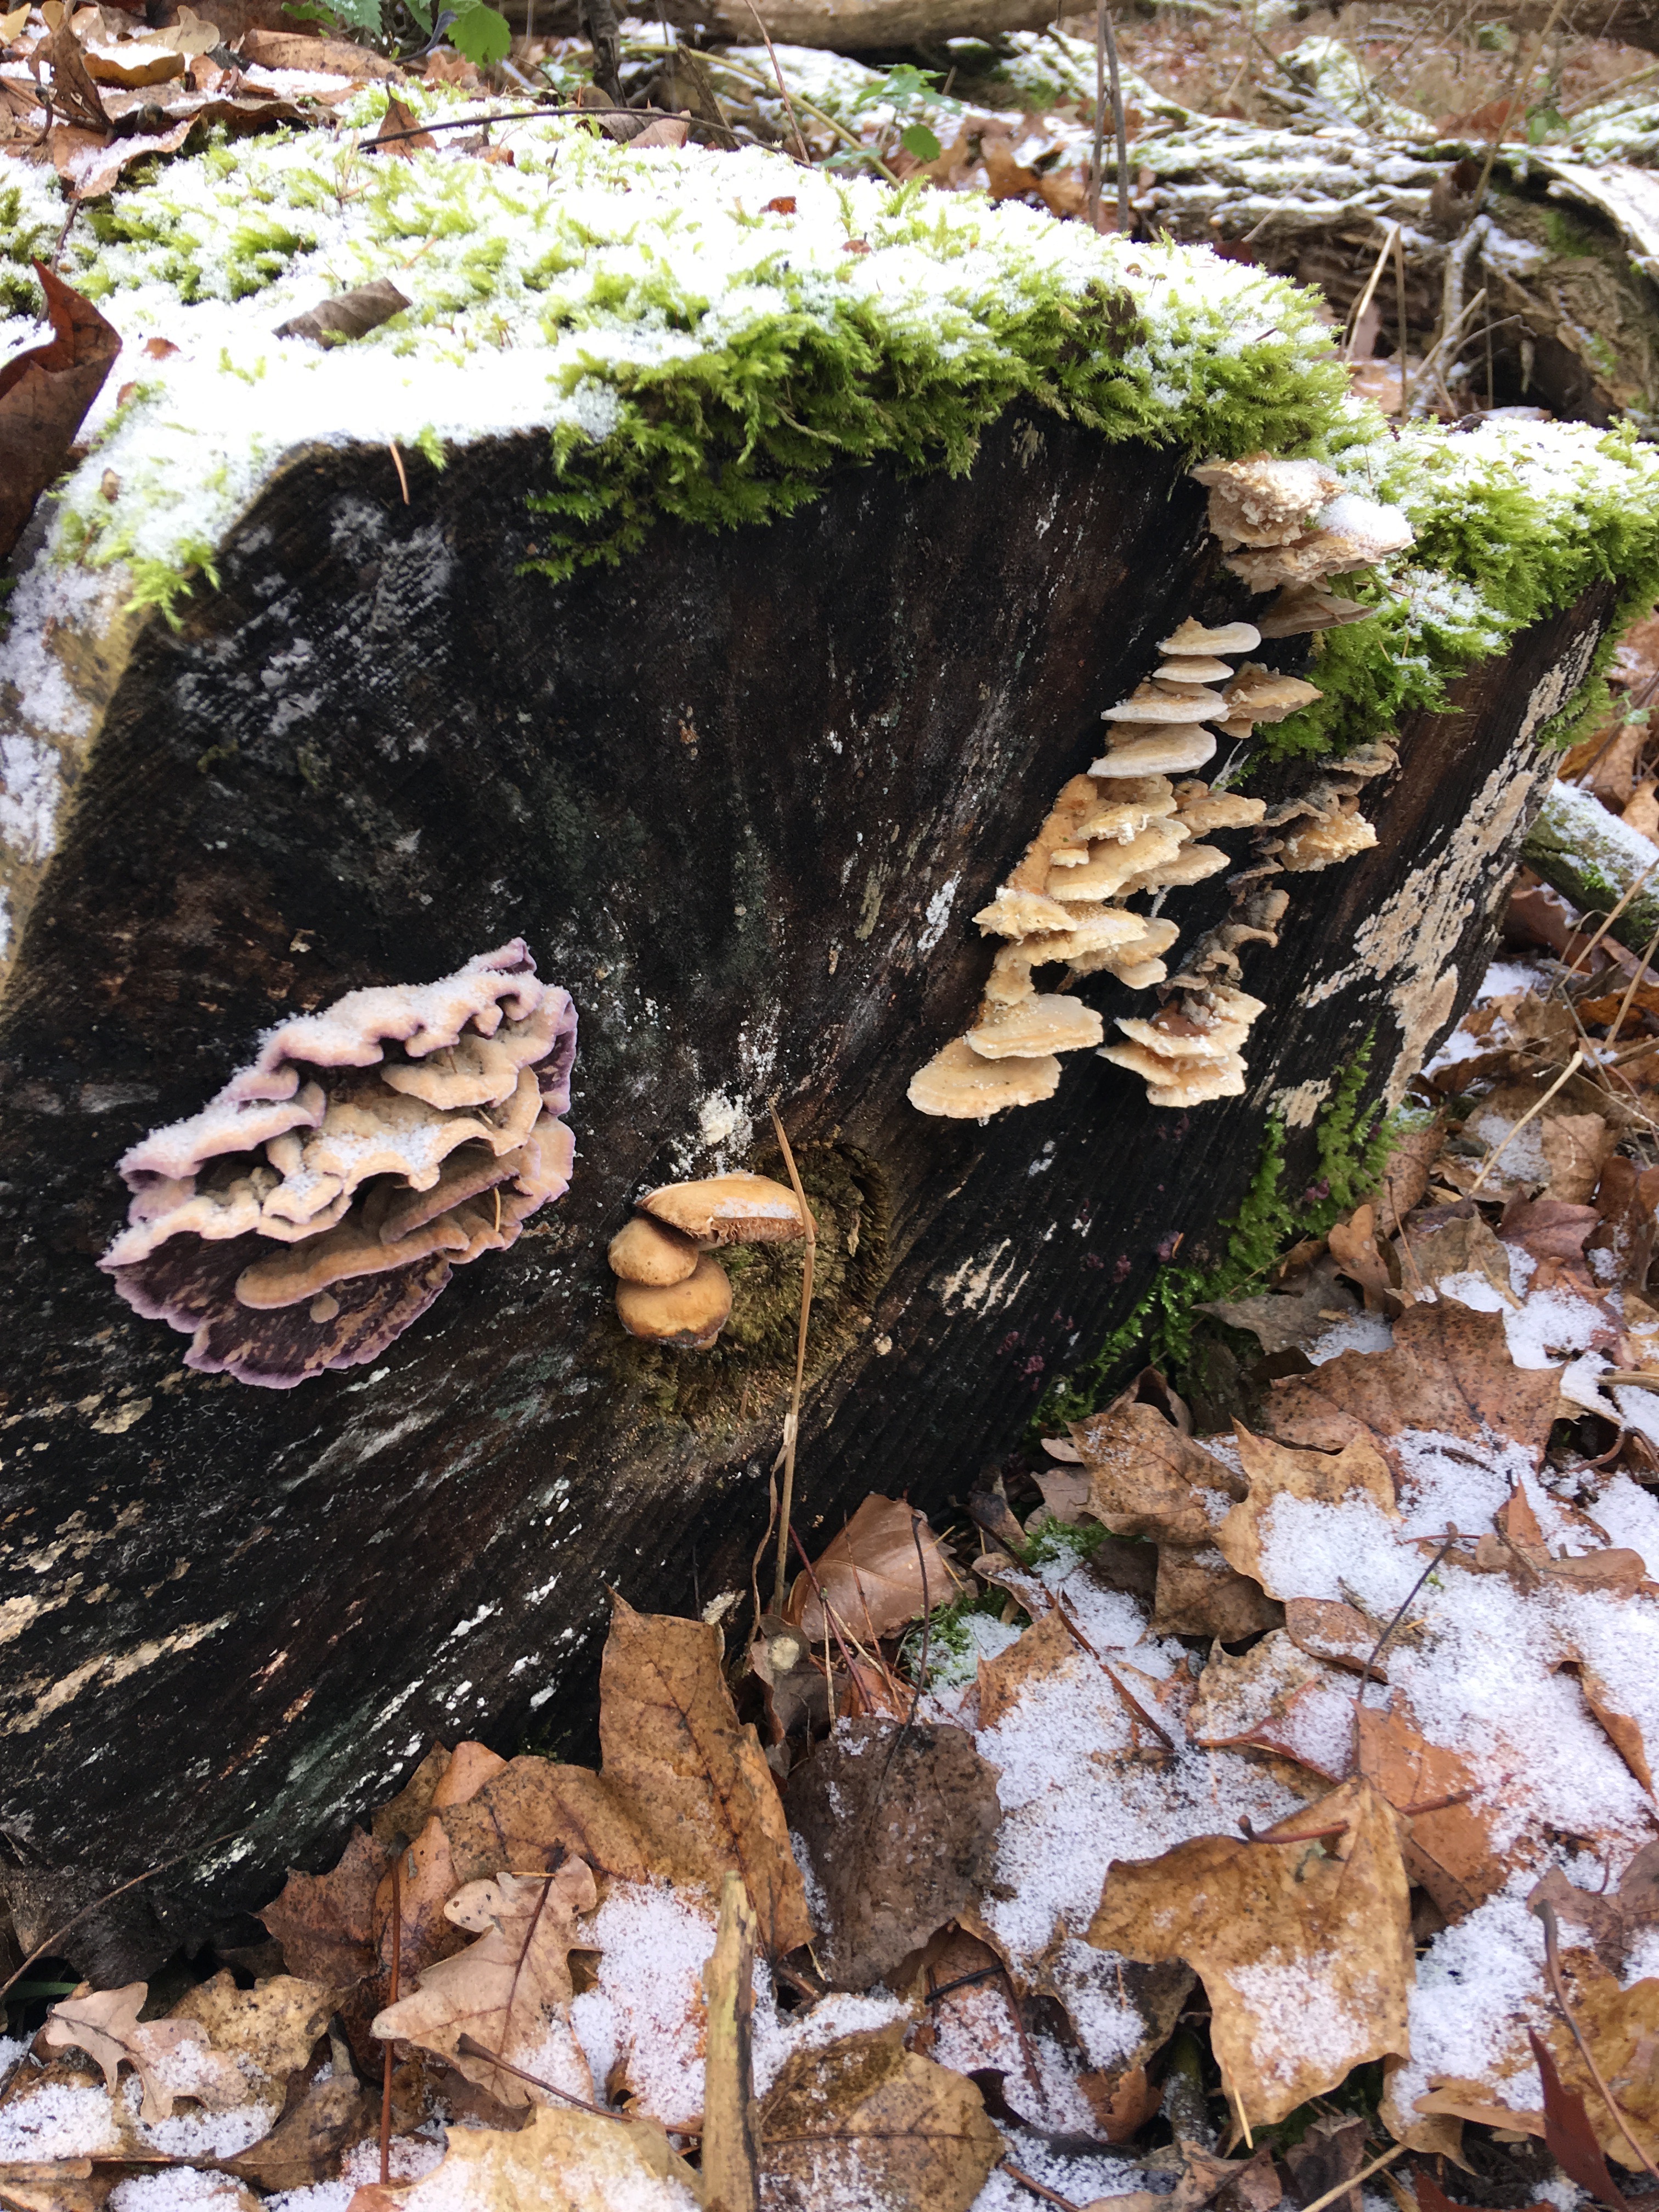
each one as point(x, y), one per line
point(832, 1622)
point(1354, 2180)
point(1400, 311)
point(1531, 1113)
point(791, 1419)
point(917, 1523)
point(963, 1981)
point(1106, 60)
point(1624, 1004)
point(1625, 898)
point(397, 463)
point(391, 1999)
point(519, 115)
point(1370, 292)
point(1124, 1693)
point(728, 61)
point(1608, 91)
point(800, 142)
point(47, 1949)
point(1367, 1674)
point(470, 2047)
point(1546, 1912)
point(1302, 1835)
point(1038, 2188)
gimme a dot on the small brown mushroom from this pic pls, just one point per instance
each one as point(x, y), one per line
point(1160, 752)
point(1229, 637)
point(1168, 702)
point(687, 1316)
point(1198, 668)
point(959, 1083)
point(1301, 610)
point(1045, 1022)
point(727, 1209)
point(648, 1251)
point(1263, 696)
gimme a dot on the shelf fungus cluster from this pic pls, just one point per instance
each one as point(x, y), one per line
point(668, 1289)
point(1139, 822)
point(316, 1205)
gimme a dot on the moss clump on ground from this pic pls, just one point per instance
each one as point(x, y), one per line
point(1352, 1140)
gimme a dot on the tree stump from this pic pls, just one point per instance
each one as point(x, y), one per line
point(740, 796)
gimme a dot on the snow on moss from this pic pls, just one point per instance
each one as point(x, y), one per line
point(653, 313)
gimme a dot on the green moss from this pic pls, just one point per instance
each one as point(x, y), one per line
point(1352, 1140)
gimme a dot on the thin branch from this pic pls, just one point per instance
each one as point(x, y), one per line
point(1531, 1113)
point(391, 1999)
point(1546, 1912)
point(791, 1419)
point(789, 105)
point(1354, 2180)
point(47, 1949)
point(470, 2047)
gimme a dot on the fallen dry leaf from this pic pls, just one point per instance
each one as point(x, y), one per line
point(866, 2122)
point(1622, 2028)
point(899, 1820)
point(306, 2146)
point(564, 2161)
point(1275, 1471)
point(1355, 1249)
point(1295, 1317)
point(1280, 1933)
point(1198, 1594)
point(872, 1574)
point(1575, 1148)
point(348, 315)
point(510, 1990)
point(325, 1923)
point(1463, 1245)
point(44, 394)
point(296, 50)
point(533, 1811)
point(75, 94)
point(1143, 1472)
point(697, 1781)
point(400, 134)
point(1275, 1698)
point(1448, 1371)
point(172, 2058)
point(1614, 1918)
point(1449, 1850)
point(271, 2029)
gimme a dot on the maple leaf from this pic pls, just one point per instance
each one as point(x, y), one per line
point(1276, 1471)
point(1316, 1925)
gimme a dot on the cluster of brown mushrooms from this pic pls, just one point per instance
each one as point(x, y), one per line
point(1126, 827)
point(668, 1289)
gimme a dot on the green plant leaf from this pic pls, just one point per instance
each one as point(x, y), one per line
point(481, 34)
point(916, 138)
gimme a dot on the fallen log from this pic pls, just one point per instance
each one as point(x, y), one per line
point(739, 790)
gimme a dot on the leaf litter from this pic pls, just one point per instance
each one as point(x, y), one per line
point(1190, 1838)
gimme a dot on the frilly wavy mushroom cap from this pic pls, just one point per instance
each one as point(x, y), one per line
point(687, 1316)
point(648, 1251)
point(1199, 809)
point(1111, 865)
point(1301, 610)
point(959, 1084)
point(727, 1209)
point(1137, 965)
point(1059, 828)
point(1042, 1024)
point(1323, 844)
point(1174, 1042)
point(1022, 913)
point(1094, 928)
point(1199, 668)
point(1350, 533)
point(1229, 637)
point(404, 1129)
point(1126, 807)
point(1191, 865)
point(1160, 753)
point(1167, 702)
point(1258, 694)
point(1261, 501)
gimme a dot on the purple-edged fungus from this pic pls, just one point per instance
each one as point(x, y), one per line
point(727, 1209)
point(648, 1251)
point(315, 1207)
point(1227, 637)
point(1164, 703)
point(1349, 532)
point(1198, 668)
point(1022, 913)
point(960, 1084)
point(1160, 753)
point(1261, 501)
point(687, 1316)
point(1044, 1023)
point(1257, 695)
point(1302, 610)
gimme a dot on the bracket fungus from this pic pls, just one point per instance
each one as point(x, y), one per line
point(316, 1205)
point(668, 1289)
point(1126, 829)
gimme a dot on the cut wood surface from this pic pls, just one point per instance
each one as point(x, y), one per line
point(740, 796)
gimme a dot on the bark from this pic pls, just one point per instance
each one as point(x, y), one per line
point(1602, 866)
point(741, 796)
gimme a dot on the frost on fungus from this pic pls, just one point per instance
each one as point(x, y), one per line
point(315, 1207)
